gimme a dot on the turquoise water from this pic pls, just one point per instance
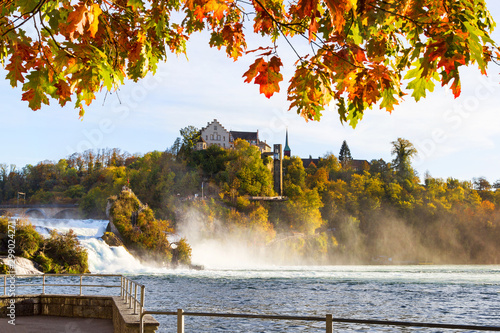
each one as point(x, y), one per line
point(441, 294)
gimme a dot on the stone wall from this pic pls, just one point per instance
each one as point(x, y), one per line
point(102, 307)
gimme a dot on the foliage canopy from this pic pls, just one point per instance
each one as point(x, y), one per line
point(362, 51)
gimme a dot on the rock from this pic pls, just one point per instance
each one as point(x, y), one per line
point(111, 239)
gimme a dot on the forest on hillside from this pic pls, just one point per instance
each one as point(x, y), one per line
point(382, 213)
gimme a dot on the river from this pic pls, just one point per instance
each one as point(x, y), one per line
point(441, 294)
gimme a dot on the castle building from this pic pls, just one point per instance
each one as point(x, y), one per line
point(215, 134)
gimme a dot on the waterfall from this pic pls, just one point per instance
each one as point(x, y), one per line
point(102, 258)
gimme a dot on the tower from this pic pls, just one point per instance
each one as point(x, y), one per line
point(278, 170)
point(287, 151)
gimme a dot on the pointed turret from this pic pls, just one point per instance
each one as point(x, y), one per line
point(287, 151)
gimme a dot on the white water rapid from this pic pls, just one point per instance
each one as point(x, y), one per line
point(102, 258)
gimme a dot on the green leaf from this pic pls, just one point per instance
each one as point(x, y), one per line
point(135, 4)
point(389, 100)
point(355, 34)
point(420, 84)
point(475, 46)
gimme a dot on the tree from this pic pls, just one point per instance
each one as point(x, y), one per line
point(190, 135)
point(361, 50)
point(246, 171)
point(481, 184)
point(345, 157)
point(404, 151)
point(176, 146)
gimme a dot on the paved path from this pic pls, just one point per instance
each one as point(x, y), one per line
point(52, 324)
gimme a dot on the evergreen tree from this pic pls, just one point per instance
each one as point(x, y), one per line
point(345, 157)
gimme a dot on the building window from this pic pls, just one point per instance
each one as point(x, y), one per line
point(206, 137)
point(211, 136)
point(218, 137)
point(224, 138)
point(215, 127)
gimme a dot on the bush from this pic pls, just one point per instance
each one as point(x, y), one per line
point(46, 264)
point(183, 251)
point(28, 240)
point(66, 253)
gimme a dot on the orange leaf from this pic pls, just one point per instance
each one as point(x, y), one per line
point(360, 55)
point(268, 76)
point(15, 70)
point(76, 21)
point(313, 28)
point(94, 19)
point(255, 69)
point(64, 92)
point(456, 87)
point(306, 7)
point(199, 13)
point(218, 8)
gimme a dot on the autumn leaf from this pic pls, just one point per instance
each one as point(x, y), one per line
point(217, 7)
point(135, 4)
point(93, 18)
point(76, 21)
point(389, 101)
point(456, 87)
point(266, 75)
point(359, 50)
point(63, 91)
point(305, 8)
point(15, 70)
point(254, 69)
point(269, 80)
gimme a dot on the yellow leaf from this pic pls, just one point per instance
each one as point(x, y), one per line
point(94, 13)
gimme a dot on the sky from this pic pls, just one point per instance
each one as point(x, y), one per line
point(457, 138)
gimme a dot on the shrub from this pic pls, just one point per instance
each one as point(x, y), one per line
point(28, 240)
point(183, 252)
point(65, 252)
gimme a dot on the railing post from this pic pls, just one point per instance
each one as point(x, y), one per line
point(81, 285)
point(329, 323)
point(135, 298)
point(121, 287)
point(180, 321)
point(5, 285)
point(143, 295)
point(43, 284)
point(130, 295)
point(125, 291)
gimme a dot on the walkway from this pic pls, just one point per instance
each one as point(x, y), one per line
point(52, 324)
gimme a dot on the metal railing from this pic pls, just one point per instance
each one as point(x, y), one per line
point(328, 319)
point(131, 292)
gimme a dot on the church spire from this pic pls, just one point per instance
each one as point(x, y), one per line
point(287, 150)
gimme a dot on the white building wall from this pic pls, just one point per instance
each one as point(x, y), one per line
point(215, 134)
